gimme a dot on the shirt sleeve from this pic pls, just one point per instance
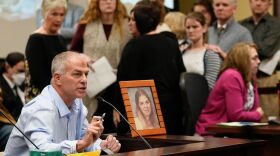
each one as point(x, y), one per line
point(212, 67)
point(95, 146)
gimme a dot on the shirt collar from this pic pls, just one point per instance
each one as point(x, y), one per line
point(222, 26)
point(61, 106)
point(228, 23)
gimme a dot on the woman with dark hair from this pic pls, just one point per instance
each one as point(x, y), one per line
point(145, 114)
point(153, 56)
point(205, 8)
point(235, 95)
point(11, 95)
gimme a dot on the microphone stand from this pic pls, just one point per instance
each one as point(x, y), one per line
point(142, 138)
point(18, 128)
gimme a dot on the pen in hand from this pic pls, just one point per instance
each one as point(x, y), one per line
point(103, 116)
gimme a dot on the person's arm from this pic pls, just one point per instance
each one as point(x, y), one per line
point(43, 131)
point(82, 132)
point(78, 39)
point(90, 140)
point(212, 67)
point(110, 143)
point(234, 100)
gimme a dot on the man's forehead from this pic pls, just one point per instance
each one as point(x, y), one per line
point(77, 65)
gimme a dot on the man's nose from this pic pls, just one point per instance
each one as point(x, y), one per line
point(84, 78)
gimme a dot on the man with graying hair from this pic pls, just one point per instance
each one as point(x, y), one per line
point(226, 32)
point(56, 118)
point(266, 34)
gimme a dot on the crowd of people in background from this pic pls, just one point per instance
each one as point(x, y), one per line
point(148, 42)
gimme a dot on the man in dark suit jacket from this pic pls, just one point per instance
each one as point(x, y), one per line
point(13, 97)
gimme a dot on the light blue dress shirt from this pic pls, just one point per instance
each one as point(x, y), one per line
point(50, 124)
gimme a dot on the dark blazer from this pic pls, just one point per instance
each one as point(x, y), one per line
point(12, 102)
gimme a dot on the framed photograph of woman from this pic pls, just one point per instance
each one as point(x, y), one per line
point(142, 107)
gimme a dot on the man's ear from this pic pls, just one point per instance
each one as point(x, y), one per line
point(57, 79)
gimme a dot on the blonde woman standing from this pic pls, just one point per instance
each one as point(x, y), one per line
point(42, 46)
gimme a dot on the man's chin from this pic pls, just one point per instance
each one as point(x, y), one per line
point(81, 94)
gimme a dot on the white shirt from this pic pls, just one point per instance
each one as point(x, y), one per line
point(193, 61)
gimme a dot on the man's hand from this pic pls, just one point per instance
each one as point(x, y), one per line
point(94, 130)
point(110, 143)
point(96, 126)
point(259, 110)
point(116, 118)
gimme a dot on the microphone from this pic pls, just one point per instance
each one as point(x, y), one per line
point(142, 138)
point(18, 129)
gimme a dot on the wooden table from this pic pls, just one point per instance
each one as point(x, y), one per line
point(271, 133)
point(190, 145)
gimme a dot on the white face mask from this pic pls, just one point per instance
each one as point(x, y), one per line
point(18, 78)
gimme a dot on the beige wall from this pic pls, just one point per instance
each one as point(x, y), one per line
point(14, 35)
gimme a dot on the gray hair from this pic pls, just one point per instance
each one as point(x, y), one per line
point(61, 60)
point(233, 2)
point(52, 4)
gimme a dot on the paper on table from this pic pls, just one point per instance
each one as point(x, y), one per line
point(240, 124)
point(101, 77)
point(268, 65)
point(94, 153)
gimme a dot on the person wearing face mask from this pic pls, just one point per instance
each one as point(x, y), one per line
point(11, 82)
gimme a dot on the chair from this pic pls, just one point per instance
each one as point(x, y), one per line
point(194, 92)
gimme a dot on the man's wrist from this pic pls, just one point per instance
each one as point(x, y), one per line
point(80, 146)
